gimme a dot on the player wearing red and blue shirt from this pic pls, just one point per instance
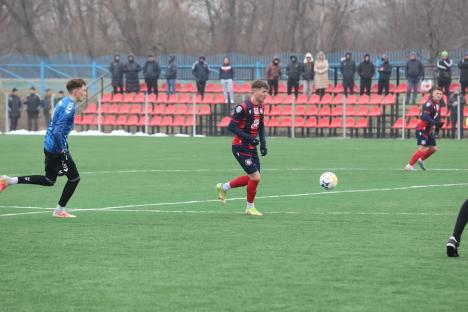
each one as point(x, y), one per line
point(425, 136)
point(246, 123)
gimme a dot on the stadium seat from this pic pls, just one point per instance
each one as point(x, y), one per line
point(339, 88)
point(89, 120)
point(155, 121)
point(424, 99)
point(91, 109)
point(326, 99)
point(78, 120)
point(281, 88)
point(267, 100)
point(323, 123)
point(401, 88)
point(105, 108)
point(273, 123)
point(313, 100)
point(324, 111)
point(300, 110)
point(338, 99)
point(389, 99)
point(351, 111)
point(204, 110)
point(132, 121)
point(413, 111)
point(218, 88)
point(210, 88)
point(179, 121)
point(170, 110)
point(106, 98)
point(245, 88)
point(136, 109)
point(310, 123)
point(454, 85)
point(299, 122)
point(313, 111)
point(337, 111)
point(152, 98)
point(363, 100)
point(189, 121)
point(128, 98)
point(375, 111)
point(188, 88)
point(286, 110)
point(224, 122)
point(444, 112)
point(362, 123)
point(330, 88)
point(375, 88)
point(266, 110)
point(172, 99)
point(277, 100)
point(181, 110)
point(375, 99)
point(413, 123)
point(398, 124)
point(117, 98)
point(301, 99)
point(142, 121)
point(218, 99)
point(465, 111)
point(124, 109)
point(288, 99)
point(275, 110)
point(351, 99)
point(185, 99)
point(121, 120)
point(285, 122)
point(336, 123)
point(139, 98)
point(113, 109)
point(350, 123)
point(162, 88)
point(166, 121)
point(162, 98)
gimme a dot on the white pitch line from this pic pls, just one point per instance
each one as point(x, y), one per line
point(22, 213)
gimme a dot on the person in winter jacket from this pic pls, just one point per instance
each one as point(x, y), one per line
point(348, 69)
point(151, 71)
point(321, 74)
point(33, 102)
point(226, 76)
point(366, 70)
point(132, 68)
point(308, 74)
point(385, 71)
point(171, 75)
point(201, 73)
point(273, 74)
point(463, 65)
point(14, 108)
point(444, 68)
point(414, 73)
point(454, 100)
point(293, 71)
point(117, 70)
point(46, 104)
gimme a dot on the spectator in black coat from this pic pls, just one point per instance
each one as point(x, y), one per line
point(348, 69)
point(117, 70)
point(33, 102)
point(151, 71)
point(454, 99)
point(385, 71)
point(366, 70)
point(201, 73)
point(414, 71)
point(444, 68)
point(46, 105)
point(132, 68)
point(464, 73)
point(14, 108)
point(59, 97)
point(226, 76)
point(171, 75)
point(293, 70)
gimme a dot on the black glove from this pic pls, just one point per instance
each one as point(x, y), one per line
point(254, 142)
point(438, 126)
point(263, 150)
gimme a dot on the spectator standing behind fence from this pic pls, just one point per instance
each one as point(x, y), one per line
point(463, 65)
point(226, 75)
point(414, 71)
point(46, 105)
point(366, 70)
point(151, 71)
point(308, 74)
point(171, 75)
point(453, 107)
point(59, 97)
point(273, 75)
point(33, 102)
point(444, 68)
point(293, 70)
point(117, 71)
point(348, 69)
point(14, 108)
point(385, 71)
point(321, 74)
point(132, 68)
point(201, 73)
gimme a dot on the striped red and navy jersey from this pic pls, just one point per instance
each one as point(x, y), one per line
point(248, 118)
point(429, 113)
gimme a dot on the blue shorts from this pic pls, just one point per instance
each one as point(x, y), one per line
point(248, 159)
point(425, 139)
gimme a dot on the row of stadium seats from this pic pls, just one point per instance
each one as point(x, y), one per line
point(312, 122)
point(413, 122)
point(121, 120)
point(137, 109)
point(415, 111)
point(302, 110)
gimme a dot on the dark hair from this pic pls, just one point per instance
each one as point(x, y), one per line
point(75, 84)
point(437, 89)
point(259, 84)
point(32, 88)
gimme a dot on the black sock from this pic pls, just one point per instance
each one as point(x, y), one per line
point(462, 219)
point(68, 191)
point(35, 179)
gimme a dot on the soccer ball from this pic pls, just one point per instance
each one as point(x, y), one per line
point(328, 180)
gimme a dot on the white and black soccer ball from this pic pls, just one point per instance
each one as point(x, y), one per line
point(328, 180)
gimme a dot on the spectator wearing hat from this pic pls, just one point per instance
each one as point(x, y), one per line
point(201, 73)
point(273, 74)
point(463, 65)
point(444, 68)
point(293, 71)
point(455, 99)
point(117, 70)
point(151, 71)
point(171, 75)
point(348, 69)
point(366, 70)
point(132, 68)
point(226, 76)
point(414, 71)
point(321, 74)
point(14, 109)
point(33, 102)
point(46, 104)
point(308, 74)
point(385, 71)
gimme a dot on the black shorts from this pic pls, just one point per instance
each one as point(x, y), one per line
point(248, 159)
point(425, 139)
point(55, 166)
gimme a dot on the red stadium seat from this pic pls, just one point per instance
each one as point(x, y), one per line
point(363, 100)
point(338, 99)
point(185, 99)
point(132, 121)
point(375, 112)
point(413, 123)
point(152, 98)
point(336, 123)
point(323, 123)
point(361, 111)
point(267, 100)
point(454, 85)
point(444, 112)
point(313, 111)
point(337, 111)
point(273, 123)
point(210, 88)
point(313, 100)
point(166, 121)
point(351, 99)
point(245, 88)
point(266, 110)
point(300, 110)
point(172, 99)
point(78, 120)
point(326, 99)
point(142, 121)
point(89, 120)
point(424, 99)
point(128, 98)
point(310, 123)
point(181, 110)
point(389, 99)
point(136, 109)
point(224, 122)
point(339, 88)
point(189, 88)
point(159, 109)
point(401, 88)
point(286, 110)
point(398, 124)
point(139, 98)
point(113, 109)
point(218, 99)
point(285, 122)
point(375, 99)
point(299, 122)
point(324, 111)
point(179, 121)
point(275, 110)
point(162, 98)
point(91, 109)
point(204, 110)
point(288, 99)
point(155, 121)
point(413, 112)
point(281, 88)
point(105, 108)
point(301, 99)
point(117, 98)
point(277, 100)
point(109, 120)
point(124, 109)
point(121, 120)
point(106, 98)
point(362, 123)
point(189, 121)
point(207, 99)
point(170, 110)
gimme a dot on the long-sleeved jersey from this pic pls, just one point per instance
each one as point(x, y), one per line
point(60, 126)
point(429, 114)
point(246, 122)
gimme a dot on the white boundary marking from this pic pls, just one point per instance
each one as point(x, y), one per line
point(127, 207)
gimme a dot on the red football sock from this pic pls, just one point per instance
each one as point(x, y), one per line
point(251, 190)
point(427, 154)
point(239, 181)
point(418, 154)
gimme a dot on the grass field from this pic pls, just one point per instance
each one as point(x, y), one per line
point(156, 239)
